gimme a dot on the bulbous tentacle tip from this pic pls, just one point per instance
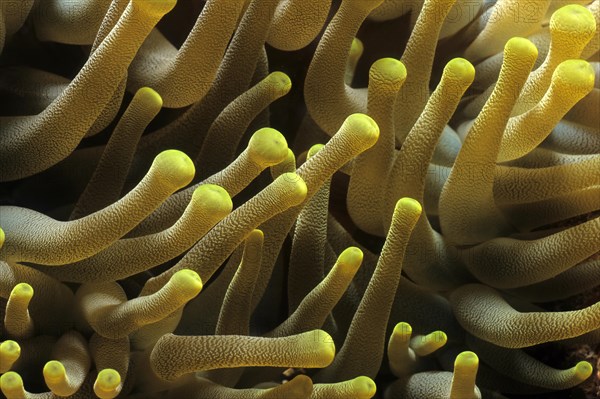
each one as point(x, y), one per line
point(350, 259)
point(10, 351)
point(11, 383)
point(409, 206)
point(520, 48)
point(154, 8)
point(215, 199)
point(149, 97)
point(364, 387)
point(295, 185)
point(388, 70)
point(575, 75)
point(466, 360)
point(2, 237)
point(364, 125)
point(357, 47)
point(313, 150)
point(573, 18)
point(280, 82)
point(22, 291)
point(267, 147)
point(174, 167)
point(187, 281)
point(461, 70)
point(54, 372)
point(402, 330)
point(326, 345)
point(107, 384)
point(583, 370)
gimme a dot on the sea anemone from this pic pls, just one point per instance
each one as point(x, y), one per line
point(299, 199)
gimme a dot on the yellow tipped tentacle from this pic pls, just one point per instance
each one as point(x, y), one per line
point(10, 351)
point(475, 218)
point(358, 388)
point(356, 51)
point(267, 148)
point(30, 144)
point(111, 358)
point(107, 384)
point(463, 377)
point(208, 205)
point(363, 349)
point(506, 327)
point(312, 312)
point(51, 297)
point(106, 308)
point(107, 181)
point(506, 262)
point(571, 28)
point(424, 345)
point(35, 237)
point(286, 191)
point(228, 128)
point(572, 80)
point(370, 169)
point(513, 363)
point(17, 321)
point(401, 357)
point(432, 262)
point(12, 387)
point(66, 375)
point(174, 356)
point(358, 133)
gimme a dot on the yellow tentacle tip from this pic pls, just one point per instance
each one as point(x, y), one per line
point(11, 385)
point(10, 351)
point(280, 82)
point(363, 387)
point(22, 291)
point(364, 126)
point(460, 70)
point(174, 167)
point(573, 18)
point(188, 282)
point(350, 259)
point(107, 384)
point(357, 47)
point(521, 48)
point(390, 71)
point(267, 147)
point(149, 97)
point(54, 372)
point(575, 75)
point(583, 370)
point(466, 360)
point(214, 199)
point(324, 344)
point(256, 237)
point(2, 237)
point(313, 150)
point(154, 8)
point(402, 331)
point(295, 187)
point(410, 206)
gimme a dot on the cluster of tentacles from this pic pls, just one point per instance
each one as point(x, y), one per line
point(400, 224)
